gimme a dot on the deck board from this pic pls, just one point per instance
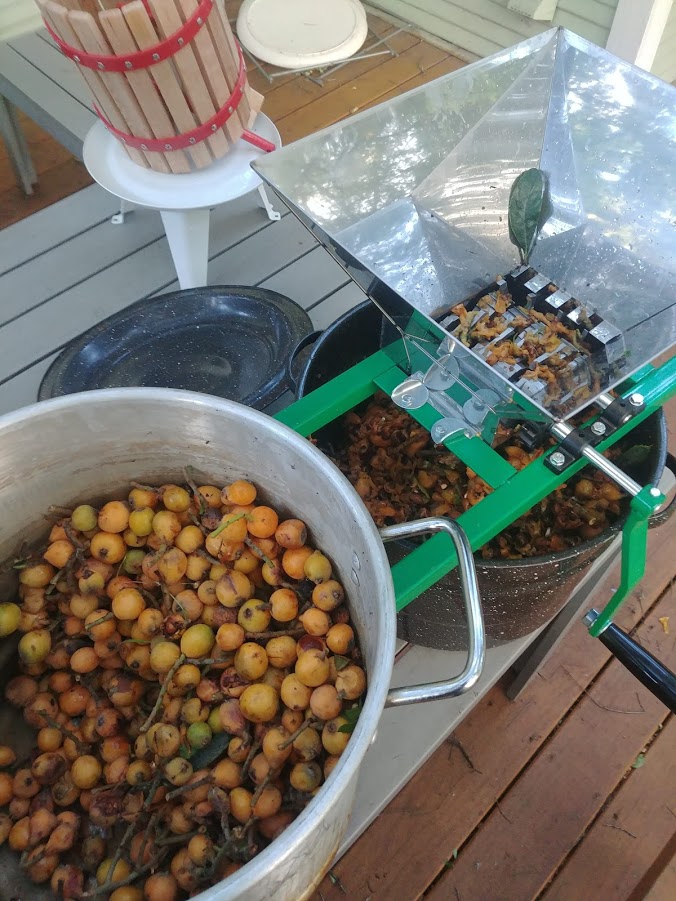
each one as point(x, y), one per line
point(563, 791)
point(641, 814)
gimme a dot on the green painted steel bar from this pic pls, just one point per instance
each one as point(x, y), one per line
point(336, 397)
point(513, 495)
point(634, 549)
point(474, 452)
point(436, 557)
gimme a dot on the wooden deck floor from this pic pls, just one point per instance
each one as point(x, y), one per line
point(566, 794)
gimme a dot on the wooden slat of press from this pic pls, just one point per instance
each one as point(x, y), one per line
point(224, 40)
point(121, 40)
point(629, 833)
point(44, 100)
point(310, 279)
point(132, 116)
point(58, 17)
point(448, 798)
point(325, 111)
point(45, 56)
point(169, 20)
point(163, 75)
point(335, 305)
point(38, 233)
point(140, 274)
point(552, 809)
point(212, 70)
point(58, 269)
point(298, 93)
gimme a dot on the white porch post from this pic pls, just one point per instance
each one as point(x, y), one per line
point(637, 30)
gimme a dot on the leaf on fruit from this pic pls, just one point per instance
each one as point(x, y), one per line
point(215, 749)
point(638, 763)
point(664, 622)
point(526, 203)
point(340, 662)
point(351, 715)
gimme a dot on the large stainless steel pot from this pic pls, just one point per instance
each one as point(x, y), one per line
point(91, 445)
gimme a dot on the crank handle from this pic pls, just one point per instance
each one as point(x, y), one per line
point(434, 691)
point(647, 669)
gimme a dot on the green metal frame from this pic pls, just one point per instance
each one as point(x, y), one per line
point(514, 492)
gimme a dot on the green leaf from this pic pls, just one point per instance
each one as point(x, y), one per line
point(638, 763)
point(634, 455)
point(340, 662)
point(351, 715)
point(215, 749)
point(526, 203)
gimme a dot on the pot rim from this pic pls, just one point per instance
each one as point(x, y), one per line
point(299, 833)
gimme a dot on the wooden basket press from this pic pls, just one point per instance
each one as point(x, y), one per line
point(167, 76)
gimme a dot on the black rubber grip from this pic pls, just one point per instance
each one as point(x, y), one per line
point(647, 669)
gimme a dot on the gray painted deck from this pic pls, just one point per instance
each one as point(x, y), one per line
point(68, 267)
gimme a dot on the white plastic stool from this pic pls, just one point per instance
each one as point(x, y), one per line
point(184, 201)
point(302, 34)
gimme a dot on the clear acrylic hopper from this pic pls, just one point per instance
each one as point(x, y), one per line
point(412, 198)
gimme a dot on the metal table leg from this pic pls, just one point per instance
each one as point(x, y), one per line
point(17, 148)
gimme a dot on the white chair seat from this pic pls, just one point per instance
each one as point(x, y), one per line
point(302, 34)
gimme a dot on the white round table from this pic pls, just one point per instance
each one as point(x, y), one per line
point(302, 34)
point(184, 201)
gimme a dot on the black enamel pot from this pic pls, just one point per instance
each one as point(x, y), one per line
point(518, 596)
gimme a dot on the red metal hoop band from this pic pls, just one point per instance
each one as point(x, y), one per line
point(142, 59)
point(189, 138)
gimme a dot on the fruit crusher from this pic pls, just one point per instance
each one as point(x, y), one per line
point(532, 187)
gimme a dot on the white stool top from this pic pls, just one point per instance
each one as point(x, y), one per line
point(301, 34)
point(225, 179)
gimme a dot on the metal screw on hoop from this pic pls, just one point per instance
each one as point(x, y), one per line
point(128, 64)
point(144, 146)
point(77, 59)
point(192, 140)
point(100, 66)
point(200, 20)
point(156, 57)
point(214, 127)
point(180, 42)
point(167, 147)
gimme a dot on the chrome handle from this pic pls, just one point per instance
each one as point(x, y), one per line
point(434, 691)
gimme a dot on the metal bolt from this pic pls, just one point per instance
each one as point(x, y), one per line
point(598, 428)
point(128, 64)
point(77, 59)
point(144, 146)
point(193, 140)
point(180, 42)
point(655, 492)
point(214, 127)
point(636, 400)
point(100, 66)
point(156, 57)
point(167, 146)
point(557, 459)
point(200, 20)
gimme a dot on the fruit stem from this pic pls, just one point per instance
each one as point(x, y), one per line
point(224, 525)
point(101, 619)
point(311, 720)
point(255, 747)
point(163, 690)
point(118, 853)
point(199, 497)
point(189, 787)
